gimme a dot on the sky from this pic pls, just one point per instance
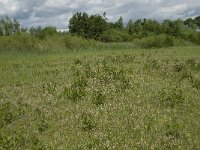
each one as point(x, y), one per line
point(58, 12)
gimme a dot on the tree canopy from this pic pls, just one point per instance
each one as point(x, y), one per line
point(9, 26)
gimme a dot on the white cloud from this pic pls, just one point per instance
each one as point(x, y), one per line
point(58, 13)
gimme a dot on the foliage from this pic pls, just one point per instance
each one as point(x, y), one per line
point(16, 43)
point(156, 42)
point(114, 35)
point(9, 26)
point(87, 26)
point(94, 98)
point(42, 33)
point(97, 27)
point(119, 24)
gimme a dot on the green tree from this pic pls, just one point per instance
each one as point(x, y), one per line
point(42, 33)
point(173, 28)
point(79, 24)
point(35, 31)
point(97, 25)
point(190, 23)
point(119, 23)
point(130, 26)
point(197, 21)
point(151, 27)
point(137, 27)
point(9, 26)
point(88, 26)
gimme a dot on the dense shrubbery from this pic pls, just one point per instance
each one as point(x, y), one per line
point(114, 35)
point(86, 30)
point(156, 41)
point(25, 43)
point(18, 42)
point(43, 33)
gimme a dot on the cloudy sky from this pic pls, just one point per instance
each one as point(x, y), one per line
point(58, 12)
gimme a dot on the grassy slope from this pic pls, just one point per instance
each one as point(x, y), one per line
point(106, 99)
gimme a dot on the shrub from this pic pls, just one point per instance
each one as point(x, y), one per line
point(88, 122)
point(196, 83)
point(158, 41)
point(178, 67)
point(113, 35)
point(152, 64)
point(192, 36)
point(98, 98)
point(75, 42)
point(18, 42)
point(10, 112)
point(170, 97)
point(42, 33)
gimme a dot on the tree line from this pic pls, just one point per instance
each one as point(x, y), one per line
point(98, 27)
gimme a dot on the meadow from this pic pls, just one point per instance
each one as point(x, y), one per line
point(106, 98)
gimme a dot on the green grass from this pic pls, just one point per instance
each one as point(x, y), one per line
point(101, 99)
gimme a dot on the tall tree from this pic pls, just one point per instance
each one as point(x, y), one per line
point(137, 27)
point(197, 22)
point(190, 23)
point(130, 26)
point(9, 26)
point(88, 26)
point(97, 25)
point(79, 24)
point(119, 23)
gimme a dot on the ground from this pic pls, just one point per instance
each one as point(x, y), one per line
point(101, 99)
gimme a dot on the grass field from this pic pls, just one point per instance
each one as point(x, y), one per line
point(101, 99)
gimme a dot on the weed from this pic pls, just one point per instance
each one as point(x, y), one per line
point(171, 134)
point(14, 141)
point(49, 88)
point(88, 122)
point(88, 73)
point(98, 97)
point(170, 97)
point(74, 93)
point(10, 112)
point(186, 75)
point(42, 123)
point(196, 83)
point(77, 62)
point(152, 64)
point(178, 67)
point(6, 113)
point(191, 62)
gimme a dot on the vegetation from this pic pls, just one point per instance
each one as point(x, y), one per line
point(101, 85)
point(101, 99)
point(9, 26)
point(90, 30)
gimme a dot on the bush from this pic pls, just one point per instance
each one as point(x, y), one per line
point(42, 33)
point(170, 97)
point(115, 36)
point(88, 122)
point(65, 42)
point(77, 42)
point(19, 42)
point(59, 42)
point(158, 41)
point(192, 36)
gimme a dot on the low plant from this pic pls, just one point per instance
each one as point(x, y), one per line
point(98, 97)
point(88, 122)
point(170, 98)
